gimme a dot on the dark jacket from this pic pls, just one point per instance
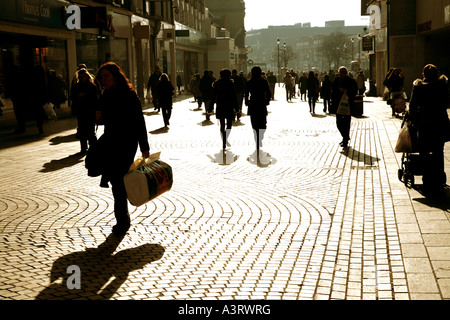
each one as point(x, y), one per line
point(428, 112)
point(84, 105)
point(338, 87)
point(165, 92)
point(125, 129)
point(224, 96)
point(257, 96)
point(206, 87)
point(312, 85)
point(325, 92)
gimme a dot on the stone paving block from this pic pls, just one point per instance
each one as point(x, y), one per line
point(338, 225)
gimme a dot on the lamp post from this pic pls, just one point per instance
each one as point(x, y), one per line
point(284, 54)
point(359, 47)
point(278, 44)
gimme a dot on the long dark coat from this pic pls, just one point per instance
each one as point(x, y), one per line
point(224, 96)
point(345, 83)
point(165, 92)
point(125, 129)
point(428, 111)
point(257, 98)
point(84, 104)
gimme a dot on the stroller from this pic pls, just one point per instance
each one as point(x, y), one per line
point(397, 101)
point(412, 162)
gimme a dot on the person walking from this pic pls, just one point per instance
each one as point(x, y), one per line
point(272, 80)
point(152, 85)
point(287, 81)
point(38, 96)
point(226, 104)
point(179, 83)
point(343, 84)
point(206, 90)
point(428, 113)
point(361, 81)
point(257, 98)
point(302, 85)
point(84, 104)
point(124, 130)
point(239, 86)
point(312, 86)
point(325, 93)
point(194, 85)
point(165, 91)
point(394, 82)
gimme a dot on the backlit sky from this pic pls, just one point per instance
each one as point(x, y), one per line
point(259, 14)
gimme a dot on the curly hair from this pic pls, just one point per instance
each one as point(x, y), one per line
point(116, 71)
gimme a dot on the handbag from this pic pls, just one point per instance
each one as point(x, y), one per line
point(147, 179)
point(344, 106)
point(49, 111)
point(404, 142)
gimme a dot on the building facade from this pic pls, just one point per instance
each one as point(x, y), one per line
point(408, 34)
point(138, 35)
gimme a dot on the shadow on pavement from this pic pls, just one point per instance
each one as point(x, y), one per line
point(224, 157)
point(63, 139)
point(360, 157)
point(68, 161)
point(160, 130)
point(101, 271)
point(263, 160)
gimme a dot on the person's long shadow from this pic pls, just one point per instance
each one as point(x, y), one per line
point(68, 161)
point(360, 157)
point(101, 271)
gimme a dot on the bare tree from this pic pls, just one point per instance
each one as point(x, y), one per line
point(286, 54)
point(335, 47)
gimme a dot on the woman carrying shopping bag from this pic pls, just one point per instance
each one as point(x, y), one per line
point(125, 129)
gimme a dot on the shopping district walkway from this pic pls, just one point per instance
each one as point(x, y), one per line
point(311, 222)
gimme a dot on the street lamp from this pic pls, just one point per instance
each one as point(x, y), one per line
point(284, 54)
point(359, 46)
point(278, 44)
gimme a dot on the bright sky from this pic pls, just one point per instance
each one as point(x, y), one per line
point(259, 14)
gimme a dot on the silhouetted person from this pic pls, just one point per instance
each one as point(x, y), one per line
point(342, 84)
point(428, 112)
point(152, 85)
point(38, 96)
point(239, 86)
point(226, 103)
point(206, 90)
point(125, 129)
point(257, 98)
point(312, 85)
point(165, 92)
point(325, 92)
point(84, 105)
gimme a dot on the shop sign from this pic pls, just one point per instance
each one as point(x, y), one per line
point(88, 17)
point(46, 13)
point(181, 33)
point(367, 43)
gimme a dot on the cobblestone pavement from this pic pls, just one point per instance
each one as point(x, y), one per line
point(315, 222)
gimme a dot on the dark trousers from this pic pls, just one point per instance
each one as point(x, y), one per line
point(326, 105)
point(312, 103)
point(225, 128)
point(166, 113)
point(120, 199)
point(343, 124)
